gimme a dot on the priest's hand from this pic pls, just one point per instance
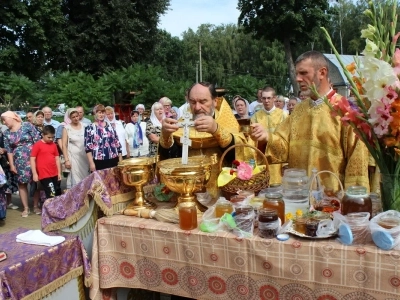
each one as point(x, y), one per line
point(169, 126)
point(206, 124)
point(258, 133)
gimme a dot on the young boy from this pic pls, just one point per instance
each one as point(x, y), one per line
point(45, 163)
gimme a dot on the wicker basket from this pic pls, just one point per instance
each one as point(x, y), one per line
point(255, 184)
point(312, 200)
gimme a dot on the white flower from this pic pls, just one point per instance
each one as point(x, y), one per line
point(369, 32)
point(371, 49)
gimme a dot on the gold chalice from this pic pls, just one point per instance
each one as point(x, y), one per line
point(137, 172)
point(187, 179)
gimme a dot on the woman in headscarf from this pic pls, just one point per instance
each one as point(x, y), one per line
point(101, 142)
point(175, 113)
point(136, 136)
point(241, 107)
point(153, 127)
point(140, 109)
point(119, 128)
point(18, 141)
point(73, 148)
point(38, 120)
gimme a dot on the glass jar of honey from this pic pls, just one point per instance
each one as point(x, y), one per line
point(356, 199)
point(275, 201)
point(187, 215)
point(268, 223)
point(222, 208)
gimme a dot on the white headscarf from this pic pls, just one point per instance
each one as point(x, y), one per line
point(153, 117)
point(237, 98)
point(114, 120)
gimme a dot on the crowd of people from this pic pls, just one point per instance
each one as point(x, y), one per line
point(39, 150)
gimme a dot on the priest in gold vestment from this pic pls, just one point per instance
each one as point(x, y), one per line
point(311, 138)
point(270, 117)
point(215, 129)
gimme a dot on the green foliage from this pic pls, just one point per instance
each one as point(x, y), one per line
point(243, 85)
point(287, 21)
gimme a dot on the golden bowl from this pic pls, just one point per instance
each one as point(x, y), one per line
point(136, 172)
point(186, 179)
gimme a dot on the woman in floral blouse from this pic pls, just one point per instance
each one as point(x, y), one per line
point(153, 127)
point(101, 142)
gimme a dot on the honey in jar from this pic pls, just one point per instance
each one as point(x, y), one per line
point(312, 227)
point(187, 216)
point(222, 208)
point(356, 199)
point(300, 225)
point(275, 201)
point(268, 223)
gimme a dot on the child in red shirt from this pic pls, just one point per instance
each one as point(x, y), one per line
point(45, 163)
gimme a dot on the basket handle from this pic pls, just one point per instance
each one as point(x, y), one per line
point(315, 178)
point(239, 145)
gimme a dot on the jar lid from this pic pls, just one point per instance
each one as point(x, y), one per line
point(357, 190)
point(273, 195)
point(383, 239)
point(345, 234)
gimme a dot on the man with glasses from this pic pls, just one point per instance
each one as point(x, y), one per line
point(311, 137)
point(81, 114)
point(269, 117)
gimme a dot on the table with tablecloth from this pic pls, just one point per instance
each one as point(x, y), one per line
point(34, 271)
point(76, 211)
point(147, 254)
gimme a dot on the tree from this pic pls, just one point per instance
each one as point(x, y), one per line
point(107, 35)
point(30, 33)
point(287, 21)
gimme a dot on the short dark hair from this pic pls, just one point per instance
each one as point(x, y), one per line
point(48, 129)
point(210, 86)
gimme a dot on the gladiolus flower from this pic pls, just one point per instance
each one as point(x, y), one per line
point(351, 67)
point(389, 141)
point(368, 33)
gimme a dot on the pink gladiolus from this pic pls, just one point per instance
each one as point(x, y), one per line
point(244, 171)
point(396, 58)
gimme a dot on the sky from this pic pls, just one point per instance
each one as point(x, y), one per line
point(184, 14)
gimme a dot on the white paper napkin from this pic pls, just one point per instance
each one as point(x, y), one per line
point(37, 237)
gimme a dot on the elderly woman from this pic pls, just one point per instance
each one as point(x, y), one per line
point(241, 107)
point(119, 128)
point(73, 148)
point(175, 113)
point(38, 120)
point(18, 141)
point(167, 104)
point(102, 146)
point(135, 134)
point(292, 103)
point(153, 127)
point(140, 109)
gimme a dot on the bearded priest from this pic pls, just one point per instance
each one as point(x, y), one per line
point(214, 130)
point(310, 137)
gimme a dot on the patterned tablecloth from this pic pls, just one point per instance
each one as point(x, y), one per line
point(105, 187)
point(140, 253)
point(32, 272)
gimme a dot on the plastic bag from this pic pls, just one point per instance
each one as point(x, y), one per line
point(204, 198)
point(353, 228)
point(209, 223)
point(244, 218)
point(388, 236)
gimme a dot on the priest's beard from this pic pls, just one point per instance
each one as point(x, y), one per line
point(199, 113)
point(309, 93)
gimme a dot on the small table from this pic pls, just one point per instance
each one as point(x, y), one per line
point(32, 271)
point(139, 253)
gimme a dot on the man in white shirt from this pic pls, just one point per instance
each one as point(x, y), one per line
point(257, 104)
point(48, 113)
